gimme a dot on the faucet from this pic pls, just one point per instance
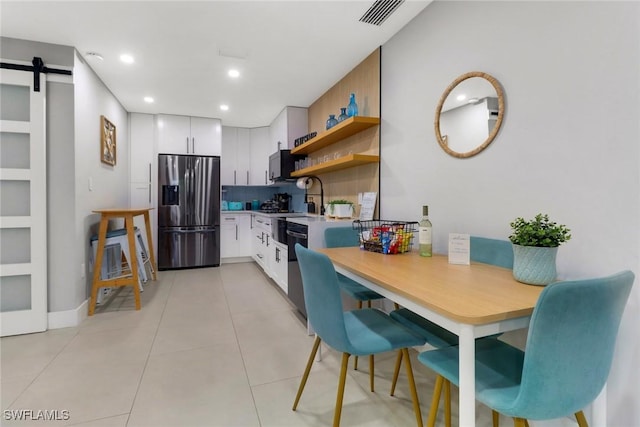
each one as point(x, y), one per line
point(308, 183)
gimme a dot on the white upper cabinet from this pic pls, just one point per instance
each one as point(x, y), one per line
point(141, 140)
point(228, 171)
point(245, 156)
point(260, 151)
point(234, 160)
point(188, 135)
point(291, 123)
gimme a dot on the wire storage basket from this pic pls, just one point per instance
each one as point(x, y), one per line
point(386, 237)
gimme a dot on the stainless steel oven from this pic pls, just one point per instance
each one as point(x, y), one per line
point(296, 233)
point(279, 230)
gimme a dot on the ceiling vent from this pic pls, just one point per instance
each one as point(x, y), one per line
point(380, 11)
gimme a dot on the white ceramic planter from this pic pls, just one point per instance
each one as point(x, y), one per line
point(341, 211)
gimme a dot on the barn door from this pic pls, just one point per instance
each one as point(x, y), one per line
point(23, 233)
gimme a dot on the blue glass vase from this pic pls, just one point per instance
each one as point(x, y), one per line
point(352, 108)
point(332, 121)
point(343, 115)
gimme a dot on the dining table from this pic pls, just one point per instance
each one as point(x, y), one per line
point(471, 300)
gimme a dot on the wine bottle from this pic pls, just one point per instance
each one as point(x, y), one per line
point(424, 233)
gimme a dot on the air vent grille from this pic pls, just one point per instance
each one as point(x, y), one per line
point(380, 11)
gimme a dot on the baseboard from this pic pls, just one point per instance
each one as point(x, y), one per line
point(235, 260)
point(68, 318)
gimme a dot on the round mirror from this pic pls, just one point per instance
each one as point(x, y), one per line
point(469, 114)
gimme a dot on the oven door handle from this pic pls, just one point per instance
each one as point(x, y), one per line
point(295, 234)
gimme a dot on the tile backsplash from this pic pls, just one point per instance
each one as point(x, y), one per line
point(247, 193)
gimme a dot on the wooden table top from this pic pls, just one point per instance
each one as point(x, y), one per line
point(121, 212)
point(473, 294)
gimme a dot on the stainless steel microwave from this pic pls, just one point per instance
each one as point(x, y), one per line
point(281, 164)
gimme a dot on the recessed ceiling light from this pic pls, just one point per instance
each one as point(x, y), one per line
point(461, 97)
point(148, 99)
point(95, 55)
point(126, 58)
point(224, 107)
point(234, 73)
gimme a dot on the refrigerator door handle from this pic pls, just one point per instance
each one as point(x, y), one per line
point(187, 178)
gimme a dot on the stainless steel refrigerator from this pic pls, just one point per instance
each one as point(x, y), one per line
point(188, 211)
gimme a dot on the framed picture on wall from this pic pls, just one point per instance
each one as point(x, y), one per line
point(107, 141)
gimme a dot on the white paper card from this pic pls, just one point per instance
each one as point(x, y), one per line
point(368, 206)
point(459, 248)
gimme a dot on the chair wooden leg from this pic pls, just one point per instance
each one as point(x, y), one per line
point(369, 303)
point(412, 387)
point(396, 372)
point(519, 422)
point(447, 403)
point(371, 371)
point(340, 396)
point(582, 421)
point(303, 381)
point(435, 401)
point(496, 418)
point(526, 423)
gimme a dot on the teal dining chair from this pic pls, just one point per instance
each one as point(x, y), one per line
point(568, 354)
point(482, 249)
point(359, 332)
point(342, 237)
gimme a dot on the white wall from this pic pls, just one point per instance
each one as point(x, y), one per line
point(110, 184)
point(568, 146)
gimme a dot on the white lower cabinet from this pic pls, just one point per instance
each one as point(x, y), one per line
point(270, 255)
point(235, 236)
point(279, 266)
point(262, 242)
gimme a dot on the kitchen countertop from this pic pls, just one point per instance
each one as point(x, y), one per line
point(265, 214)
point(318, 219)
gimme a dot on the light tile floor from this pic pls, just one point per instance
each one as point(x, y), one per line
point(210, 347)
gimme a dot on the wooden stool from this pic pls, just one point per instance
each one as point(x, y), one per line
point(129, 280)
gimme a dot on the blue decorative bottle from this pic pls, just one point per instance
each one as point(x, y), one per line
point(352, 108)
point(332, 121)
point(343, 115)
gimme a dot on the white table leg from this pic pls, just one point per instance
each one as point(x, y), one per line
point(467, 377)
point(599, 409)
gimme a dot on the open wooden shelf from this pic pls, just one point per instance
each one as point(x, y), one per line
point(342, 130)
point(333, 165)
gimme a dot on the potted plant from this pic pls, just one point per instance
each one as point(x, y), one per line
point(340, 208)
point(535, 246)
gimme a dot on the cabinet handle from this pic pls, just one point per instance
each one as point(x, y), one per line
point(277, 254)
point(234, 177)
point(236, 231)
point(247, 177)
point(187, 145)
point(267, 240)
point(149, 183)
point(265, 177)
point(193, 145)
